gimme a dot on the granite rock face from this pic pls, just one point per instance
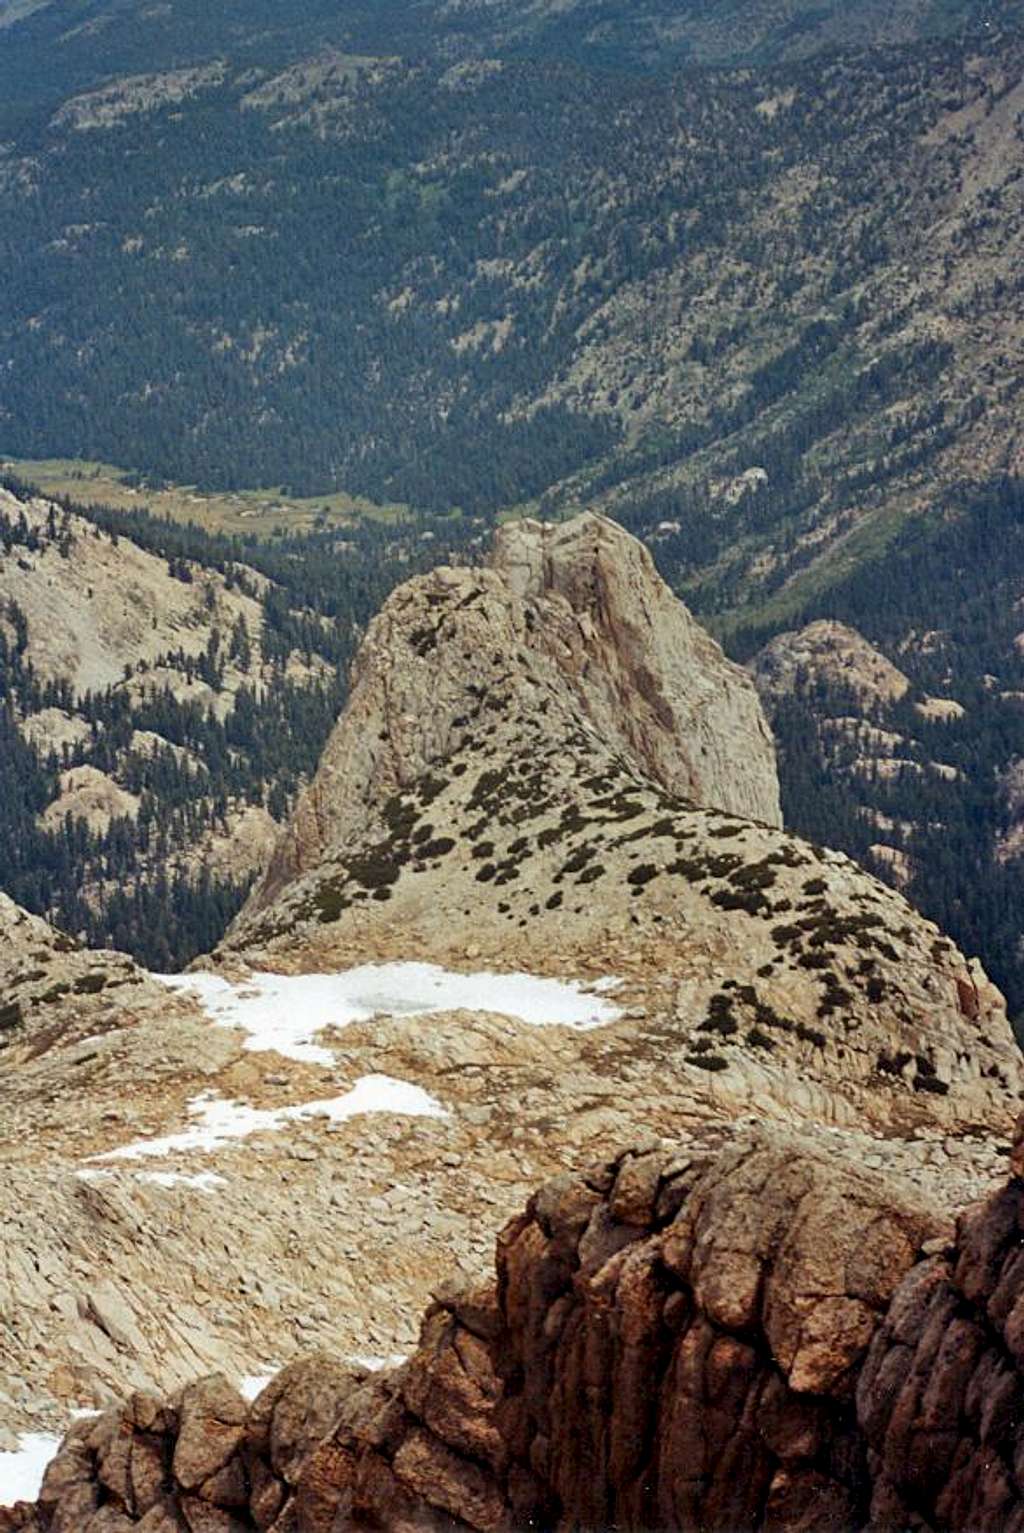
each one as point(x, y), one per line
point(54, 992)
point(749, 1331)
point(573, 620)
point(648, 677)
point(828, 652)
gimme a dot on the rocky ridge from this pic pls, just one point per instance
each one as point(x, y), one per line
point(476, 800)
point(766, 988)
point(54, 993)
point(569, 621)
point(825, 1351)
point(832, 653)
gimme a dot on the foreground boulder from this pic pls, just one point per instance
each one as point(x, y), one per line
point(746, 1332)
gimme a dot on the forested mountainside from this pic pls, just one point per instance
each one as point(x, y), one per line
point(746, 277)
point(162, 695)
point(85, 40)
point(768, 306)
point(908, 751)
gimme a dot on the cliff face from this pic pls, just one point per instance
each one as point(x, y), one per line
point(522, 778)
point(747, 1332)
point(572, 620)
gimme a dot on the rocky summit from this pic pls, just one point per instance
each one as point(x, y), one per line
point(546, 763)
point(534, 921)
point(568, 630)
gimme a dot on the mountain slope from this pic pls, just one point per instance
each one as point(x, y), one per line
point(473, 802)
point(803, 271)
point(540, 948)
point(571, 621)
point(828, 1352)
point(163, 694)
point(84, 41)
point(905, 751)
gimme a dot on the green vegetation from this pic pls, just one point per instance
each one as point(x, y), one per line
point(246, 513)
point(943, 604)
point(385, 284)
point(131, 886)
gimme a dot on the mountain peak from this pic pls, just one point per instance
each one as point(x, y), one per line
point(567, 628)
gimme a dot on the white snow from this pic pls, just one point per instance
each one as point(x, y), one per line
point(218, 1121)
point(21, 1472)
point(204, 1181)
point(254, 1384)
point(375, 1364)
point(285, 1011)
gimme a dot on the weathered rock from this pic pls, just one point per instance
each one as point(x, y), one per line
point(211, 1429)
point(829, 652)
point(571, 620)
point(771, 1348)
point(676, 1335)
point(85, 793)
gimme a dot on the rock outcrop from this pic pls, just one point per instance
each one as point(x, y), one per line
point(512, 783)
point(573, 620)
point(85, 793)
point(813, 1079)
point(54, 992)
point(832, 653)
point(745, 1332)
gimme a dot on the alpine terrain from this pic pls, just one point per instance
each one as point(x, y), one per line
point(534, 919)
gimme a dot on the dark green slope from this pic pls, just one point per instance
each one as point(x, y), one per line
point(944, 604)
point(60, 46)
point(490, 287)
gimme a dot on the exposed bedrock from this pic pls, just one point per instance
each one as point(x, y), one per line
point(744, 1332)
point(571, 623)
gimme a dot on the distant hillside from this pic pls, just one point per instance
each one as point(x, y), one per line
point(747, 278)
point(908, 752)
point(761, 313)
point(82, 42)
point(161, 701)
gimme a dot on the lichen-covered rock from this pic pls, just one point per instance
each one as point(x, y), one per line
point(941, 1395)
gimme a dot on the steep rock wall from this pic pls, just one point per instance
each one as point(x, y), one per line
point(747, 1332)
point(572, 621)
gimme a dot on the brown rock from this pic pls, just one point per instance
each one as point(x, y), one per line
point(212, 1429)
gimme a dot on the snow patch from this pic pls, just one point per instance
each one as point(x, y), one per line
point(206, 1181)
point(254, 1384)
point(375, 1364)
point(21, 1472)
point(284, 1012)
point(217, 1121)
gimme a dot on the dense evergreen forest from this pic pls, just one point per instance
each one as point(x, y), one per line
point(456, 282)
point(944, 603)
point(70, 45)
